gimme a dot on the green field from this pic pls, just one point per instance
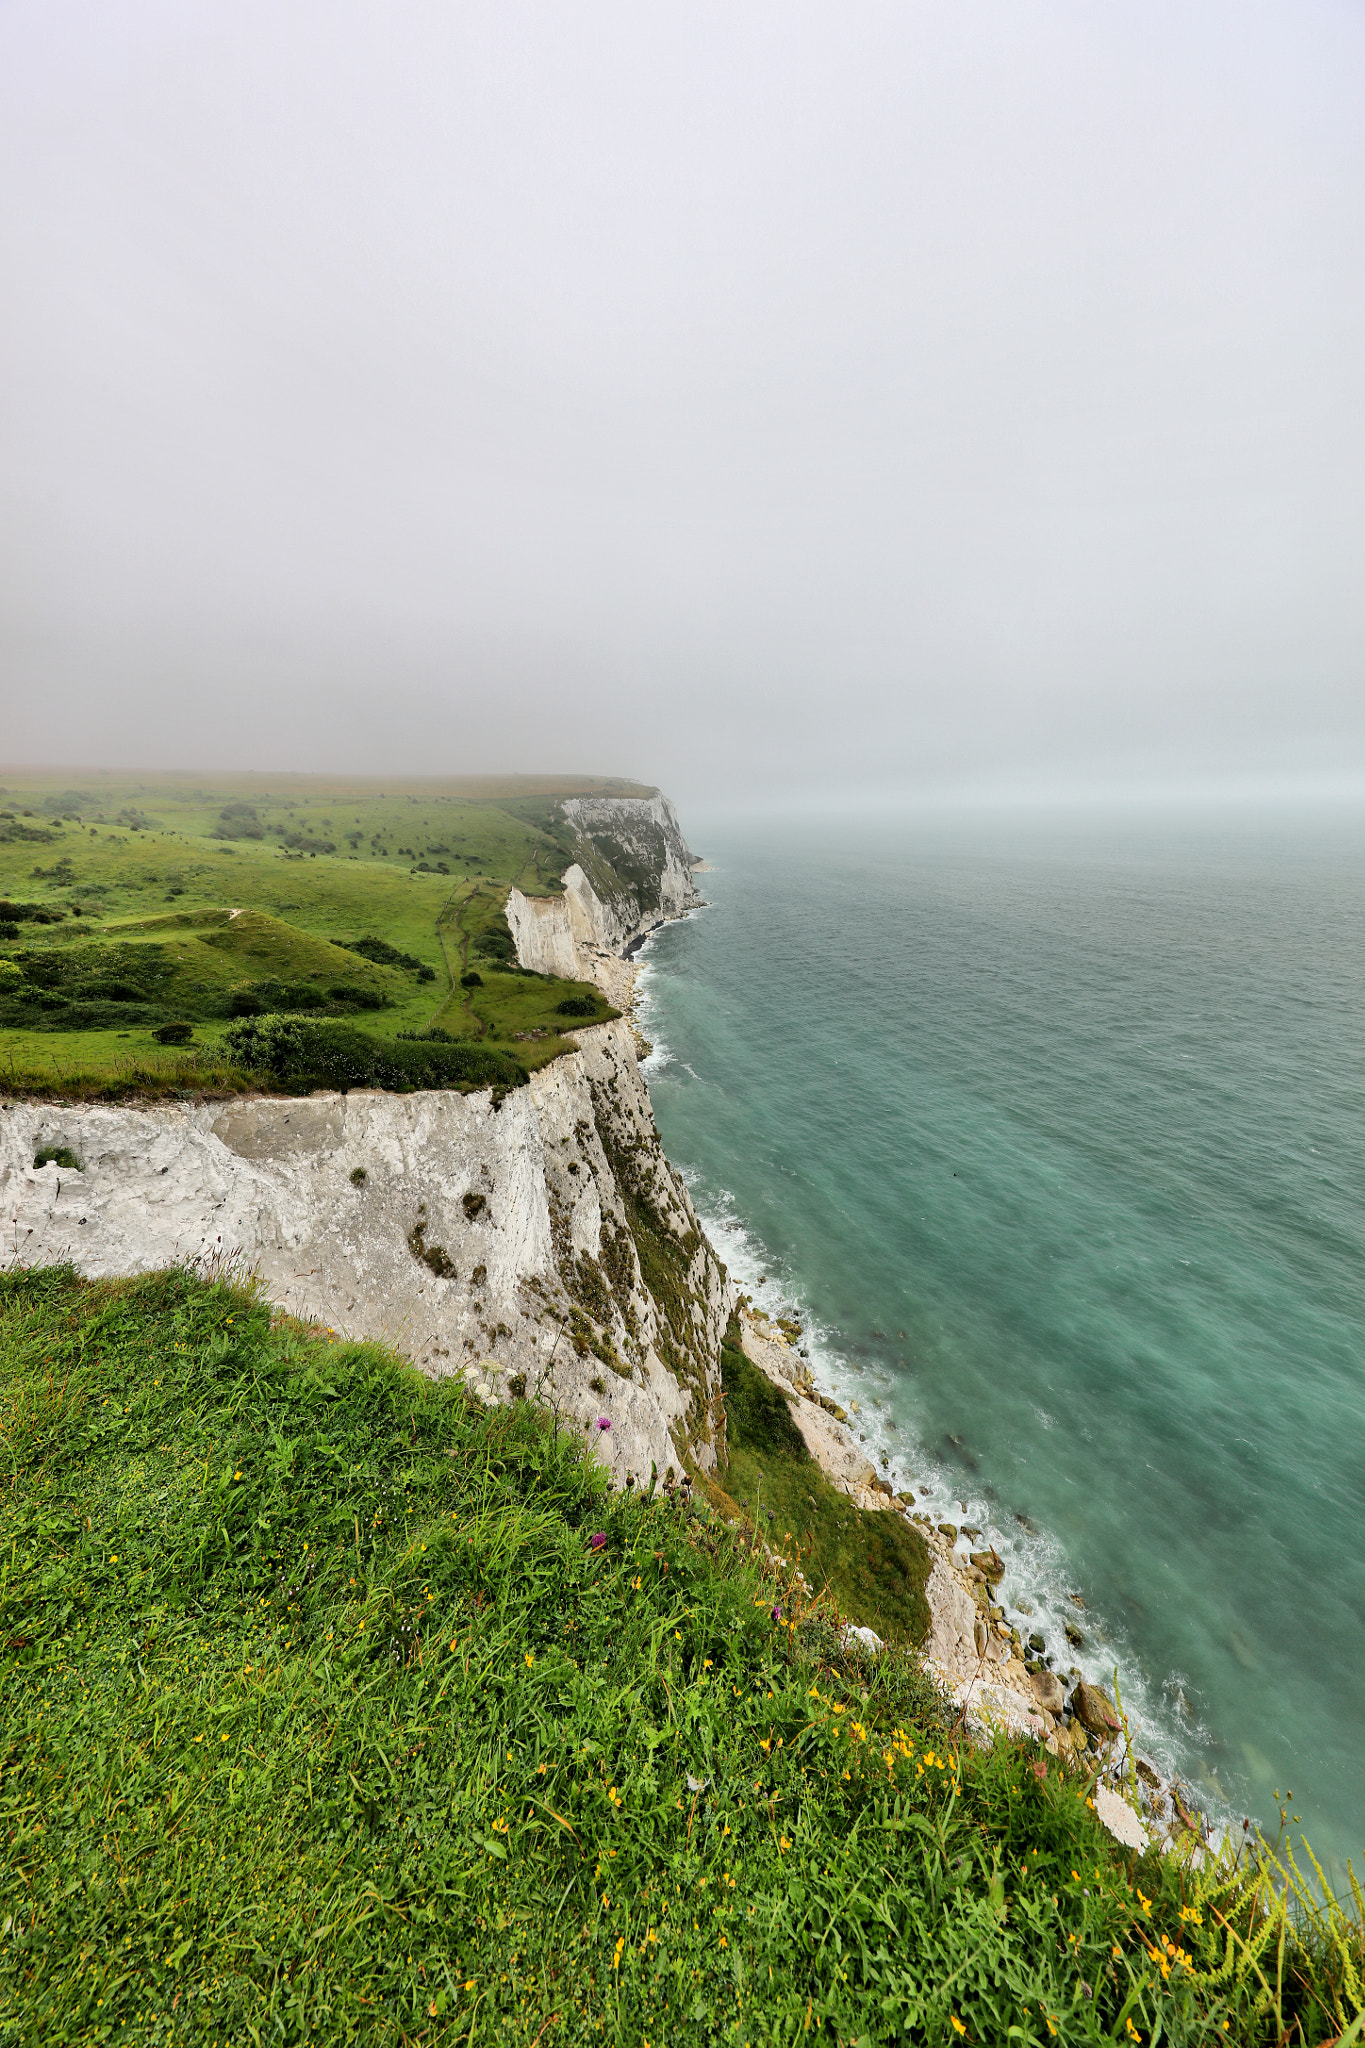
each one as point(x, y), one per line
point(340, 1709)
point(129, 905)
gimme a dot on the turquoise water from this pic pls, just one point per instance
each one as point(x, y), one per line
point(1055, 1136)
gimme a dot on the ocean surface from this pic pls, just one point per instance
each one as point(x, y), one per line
point(1054, 1135)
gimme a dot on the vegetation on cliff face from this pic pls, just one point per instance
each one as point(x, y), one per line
point(875, 1566)
point(339, 1709)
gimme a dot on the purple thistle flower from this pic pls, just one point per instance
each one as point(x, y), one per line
point(777, 1614)
point(604, 1422)
point(599, 1541)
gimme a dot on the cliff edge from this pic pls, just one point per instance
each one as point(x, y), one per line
point(537, 1243)
point(633, 871)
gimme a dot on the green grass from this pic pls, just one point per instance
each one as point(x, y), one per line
point(198, 966)
point(505, 1003)
point(875, 1565)
point(137, 879)
point(324, 1720)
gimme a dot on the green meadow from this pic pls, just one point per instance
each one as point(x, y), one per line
point(128, 906)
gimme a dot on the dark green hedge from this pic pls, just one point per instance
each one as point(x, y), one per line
point(323, 1055)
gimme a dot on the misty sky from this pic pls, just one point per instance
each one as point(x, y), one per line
point(735, 395)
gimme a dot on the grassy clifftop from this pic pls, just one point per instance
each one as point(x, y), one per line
point(130, 906)
point(340, 1709)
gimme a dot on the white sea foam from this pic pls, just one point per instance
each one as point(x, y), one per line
point(1038, 1581)
point(1038, 1578)
point(660, 1054)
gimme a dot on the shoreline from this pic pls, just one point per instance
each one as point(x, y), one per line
point(973, 1654)
point(972, 1649)
point(978, 1649)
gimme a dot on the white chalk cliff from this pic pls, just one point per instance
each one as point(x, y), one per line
point(540, 1245)
point(500, 1241)
point(634, 871)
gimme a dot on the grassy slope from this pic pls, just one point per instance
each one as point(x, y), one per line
point(131, 852)
point(324, 1721)
point(875, 1564)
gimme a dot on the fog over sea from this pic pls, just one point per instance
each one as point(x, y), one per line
point(1053, 1132)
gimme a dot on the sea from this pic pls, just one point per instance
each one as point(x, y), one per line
point(1050, 1129)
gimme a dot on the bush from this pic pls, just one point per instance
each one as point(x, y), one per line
point(495, 941)
point(174, 1034)
point(385, 955)
point(113, 992)
point(577, 1006)
point(59, 1155)
point(356, 998)
point(471, 980)
point(45, 1010)
point(307, 1055)
point(28, 913)
point(301, 995)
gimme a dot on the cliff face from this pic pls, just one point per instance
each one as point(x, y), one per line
point(633, 870)
point(635, 856)
point(543, 1246)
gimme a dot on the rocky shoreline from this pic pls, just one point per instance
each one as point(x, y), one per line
point(975, 1652)
point(1000, 1679)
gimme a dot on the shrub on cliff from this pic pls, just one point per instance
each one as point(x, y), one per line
point(873, 1564)
point(304, 1055)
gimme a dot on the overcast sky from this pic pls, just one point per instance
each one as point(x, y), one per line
point(729, 395)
